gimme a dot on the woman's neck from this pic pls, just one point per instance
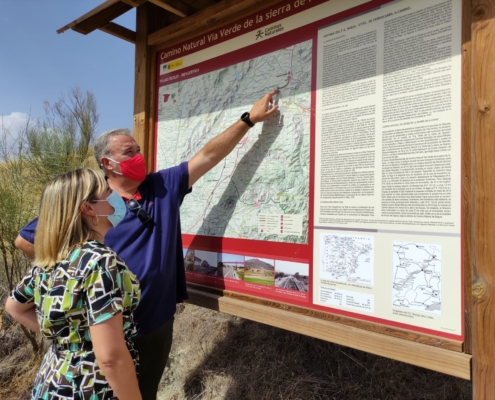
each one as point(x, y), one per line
point(98, 237)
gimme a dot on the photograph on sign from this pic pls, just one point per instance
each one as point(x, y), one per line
point(292, 276)
point(231, 266)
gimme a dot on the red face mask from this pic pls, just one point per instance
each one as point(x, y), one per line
point(134, 168)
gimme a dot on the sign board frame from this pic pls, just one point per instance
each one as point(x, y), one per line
point(471, 358)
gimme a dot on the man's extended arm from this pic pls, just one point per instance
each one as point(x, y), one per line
point(26, 247)
point(219, 147)
point(25, 239)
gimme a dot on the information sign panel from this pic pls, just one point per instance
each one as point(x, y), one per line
point(348, 200)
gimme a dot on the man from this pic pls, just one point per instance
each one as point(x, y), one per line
point(149, 237)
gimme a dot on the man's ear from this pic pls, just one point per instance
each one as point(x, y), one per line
point(105, 163)
point(86, 208)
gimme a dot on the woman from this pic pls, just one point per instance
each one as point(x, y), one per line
point(79, 294)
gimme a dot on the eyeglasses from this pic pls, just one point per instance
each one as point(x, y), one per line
point(136, 208)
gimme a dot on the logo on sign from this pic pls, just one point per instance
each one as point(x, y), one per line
point(168, 96)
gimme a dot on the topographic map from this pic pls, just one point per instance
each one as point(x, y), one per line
point(347, 258)
point(267, 173)
point(417, 276)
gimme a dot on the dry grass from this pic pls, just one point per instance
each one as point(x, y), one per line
point(216, 356)
point(18, 363)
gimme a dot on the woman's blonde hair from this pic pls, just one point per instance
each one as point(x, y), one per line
point(60, 225)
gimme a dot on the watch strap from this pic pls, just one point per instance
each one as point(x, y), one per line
point(245, 118)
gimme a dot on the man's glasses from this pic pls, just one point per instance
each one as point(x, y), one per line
point(136, 208)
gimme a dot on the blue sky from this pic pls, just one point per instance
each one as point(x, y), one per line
point(37, 64)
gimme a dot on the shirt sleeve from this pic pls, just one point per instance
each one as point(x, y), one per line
point(103, 289)
point(24, 291)
point(185, 189)
point(27, 233)
point(177, 177)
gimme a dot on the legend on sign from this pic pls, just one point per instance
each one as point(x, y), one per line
point(281, 224)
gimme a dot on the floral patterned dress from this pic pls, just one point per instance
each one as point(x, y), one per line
point(92, 285)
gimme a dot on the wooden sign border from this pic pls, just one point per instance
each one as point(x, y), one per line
point(411, 348)
point(478, 204)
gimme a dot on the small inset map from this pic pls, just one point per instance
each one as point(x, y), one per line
point(347, 258)
point(417, 276)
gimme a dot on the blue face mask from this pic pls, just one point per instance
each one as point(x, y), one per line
point(119, 208)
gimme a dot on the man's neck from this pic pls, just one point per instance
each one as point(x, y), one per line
point(124, 187)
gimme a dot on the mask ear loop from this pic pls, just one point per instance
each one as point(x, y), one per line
point(116, 162)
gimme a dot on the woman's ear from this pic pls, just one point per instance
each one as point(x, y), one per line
point(87, 209)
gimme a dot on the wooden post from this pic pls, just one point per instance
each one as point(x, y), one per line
point(483, 129)
point(149, 18)
point(142, 82)
point(467, 174)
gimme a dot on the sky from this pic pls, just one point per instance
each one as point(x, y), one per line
point(292, 267)
point(37, 64)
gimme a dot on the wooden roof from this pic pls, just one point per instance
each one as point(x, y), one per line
point(101, 17)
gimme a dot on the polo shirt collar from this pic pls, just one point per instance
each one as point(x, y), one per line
point(137, 196)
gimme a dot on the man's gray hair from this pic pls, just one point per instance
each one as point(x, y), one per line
point(101, 144)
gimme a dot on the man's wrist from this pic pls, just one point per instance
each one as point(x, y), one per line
point(246, 119)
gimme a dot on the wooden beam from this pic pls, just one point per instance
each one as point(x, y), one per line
point(151, 115)
point(219, 14)
point(120, 32)
point(202, 4)
point(467, 173)
point(89, 14)
point(142, 82)
point(98, 17)
point(176, 7)
point(483, 128)
point(102, 18)
point(159, 18)
point(434, 358)
point(148, 18)
point(134, 3)
point(430, 340)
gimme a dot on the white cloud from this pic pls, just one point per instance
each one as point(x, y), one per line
point(11, 127)
point(13, 122)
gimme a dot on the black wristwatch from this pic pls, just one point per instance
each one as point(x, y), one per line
point(245, 118)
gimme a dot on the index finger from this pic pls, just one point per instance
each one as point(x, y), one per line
point(268, 97)
point(273, 92)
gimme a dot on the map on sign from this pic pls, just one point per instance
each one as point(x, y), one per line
point(417, 276)
point(267, 173)
point(347, 258)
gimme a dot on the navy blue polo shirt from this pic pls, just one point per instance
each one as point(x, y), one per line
point(152, 251)
point(27, 233)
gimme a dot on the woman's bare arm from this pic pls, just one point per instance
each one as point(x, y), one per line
point(114, 358)
point(24, 313)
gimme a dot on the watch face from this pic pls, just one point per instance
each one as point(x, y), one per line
point(245, 118)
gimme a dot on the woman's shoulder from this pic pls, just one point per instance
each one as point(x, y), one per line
point(97, 248)
point(93, 254)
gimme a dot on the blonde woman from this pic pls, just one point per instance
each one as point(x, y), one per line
point(79, 294)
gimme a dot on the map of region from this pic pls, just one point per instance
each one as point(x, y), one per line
point(347, 258)
point(267, 173)
point(417, 276)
